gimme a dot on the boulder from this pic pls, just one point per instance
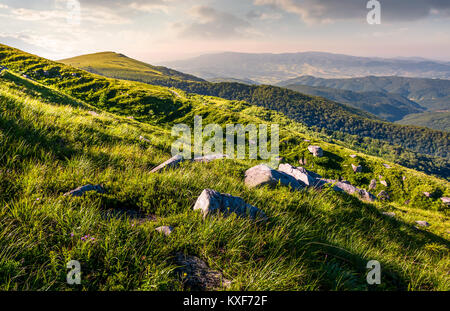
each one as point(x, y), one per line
point(171, 163)
point(357, 168)
point(196, 275)
point(262, 175)
point(390, 214)
point(383, 195)
point(445, 200)
point(316, 151)
point(299, 173)
point(373, 184)
point(423, 223)
point(82, 190)
point(345, 186)
point(211, 202)
point(166, 230)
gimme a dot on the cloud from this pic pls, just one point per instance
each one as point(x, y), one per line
point(317, 11)
point(258, 15)
point(212, 24)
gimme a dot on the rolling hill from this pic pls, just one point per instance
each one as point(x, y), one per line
point(433, 94)
point(62, 127)
point(274, 68)
point(120, 66)
point(410, 146)
point(387, 106)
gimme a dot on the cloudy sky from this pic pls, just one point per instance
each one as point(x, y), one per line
point(161, 30)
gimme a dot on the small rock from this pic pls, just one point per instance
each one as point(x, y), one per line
point(166, 230)
point(383, 195)
point(93, 113)
point(373, 184)
point(262, 175)
point(422, 223)
point(390, 214)
point(302, 161)
point(298, 173)
point(353, 156)
point(357, 168)
point(171, 163)
point(196, 274)
point(306, 140)
point(427, 194)
point(384, 183)
point(386, 165)
point(407, 202)
point(82, 190)
point(403, 178)
point(142, 138)
point(211, 202)
point(316, 151)
point(446, 200)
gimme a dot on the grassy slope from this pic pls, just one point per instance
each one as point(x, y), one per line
point(120, 66)
point(51, 144)
point(407, 145)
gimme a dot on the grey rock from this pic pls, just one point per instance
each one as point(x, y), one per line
point(316, 151)
point(171, 163)
point(373, 184)
point(345, 186)
point(357, 168)
point(299, 173)
point(423, 223)
point(211, 202)
point(142, 138)
point(82, 190)
point(390, 214)
point(262, 175)
point(197, 275)
point(446, 200)
point(166, 230)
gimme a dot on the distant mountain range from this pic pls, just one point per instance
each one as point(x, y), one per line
point(391, 107)
point(274, 68)
point(433, 94)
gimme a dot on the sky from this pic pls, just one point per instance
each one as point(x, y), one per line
point(162, 30)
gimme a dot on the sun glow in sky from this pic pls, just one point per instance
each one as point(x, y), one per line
point(162, 30)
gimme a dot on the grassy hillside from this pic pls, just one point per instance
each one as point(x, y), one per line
point(435, 120)
point(116, 65)
point(407, 145)
point(52, 142)
point(390, 107)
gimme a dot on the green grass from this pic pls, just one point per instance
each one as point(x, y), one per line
point(314, 240)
